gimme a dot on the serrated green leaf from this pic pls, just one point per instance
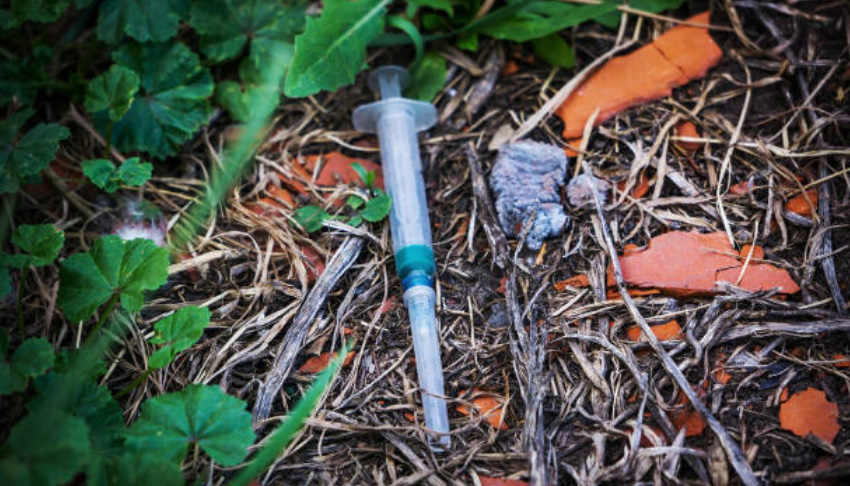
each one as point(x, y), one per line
point(143, 20)
point(198, 414)
point(113, 90)
point(177, 333)
point(540, 18)
point(102, 173)
point(53, 446)
point(332, 49)
point(32, 358)
point(311, 217)
point(112, 266)
point(554, 50)
point(24, 157)
point(172, 103)
point(134, 172)
point(427, 78)
point(40, 244)
point(377, 208)
point(226, 26)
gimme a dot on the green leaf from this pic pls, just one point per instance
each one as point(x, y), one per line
point(134, 172)
point(178, 332)
point(355, 221)
point(311, 217)
point(34, 10)
point(238, 98)
point(143, 20)
point(468, 41)
point(172, 103)
point(102, 173)
point(202, 415)
point(427, 78)
point(332, 49)
point(409, 28)
point(135, 469)
point(361, 171)
point(444, 5)
point(52, 446)
point(112, 266)
point(32, 358)
point(5, 281)
point(40, 244)
point(24, 157)
point(377, 208)
point(22, 78)
point(540, 18)
point(113, 90)
point(287, 430)
point(554, 50)
point(612, 19)
point(226, 26)
point(78, 395)
point(355, 202)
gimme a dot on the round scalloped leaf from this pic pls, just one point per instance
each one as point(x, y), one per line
point(225, 26)
point(113, 90)
point(178, 332)
point(129, 268)
point(39, 242)
point(198, 414)
point(143, 20)
point(52, 446)
point(24, 157)
point(172, 103)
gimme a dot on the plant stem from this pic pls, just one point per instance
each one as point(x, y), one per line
point(108, 154)
point(24, 274)
point(138, 381)
point(103, 316)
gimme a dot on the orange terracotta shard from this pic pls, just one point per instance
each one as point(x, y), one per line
point(810, 412)
point(682, 54)
point(668, 331)
point(336, 169)
point(683, 264)
point(639, 189)
point(315, 364)
point(579, 280)
point(685, 417)
point(688, 129)
point(804, 204)
point(488, 481)
point(488, 405)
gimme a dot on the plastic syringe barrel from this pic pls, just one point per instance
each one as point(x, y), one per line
point(397, 121)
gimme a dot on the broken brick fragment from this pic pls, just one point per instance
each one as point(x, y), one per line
point(680, 55)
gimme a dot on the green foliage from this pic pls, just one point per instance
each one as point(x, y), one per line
point(47, 448)
point(311, 217)
point(32, 358)
point(538, 19)
point(113, 90)
point(332, 49)
point(202, 415)
point(143, 20)
point(39, 243)
point(367, 176)
point(287, 430)
point(32, 10)
point(5, 280)
point(178, 332)
point(376, 208)
point(612, 19)
point(23, 158)
point(427, 78)
point(106, 176)
point(226, 26)
point(112, 267)
point(22, 78)
point(136, 469)
point(554, 50)
point(172, 103)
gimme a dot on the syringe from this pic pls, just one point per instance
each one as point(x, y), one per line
point(396, 120)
